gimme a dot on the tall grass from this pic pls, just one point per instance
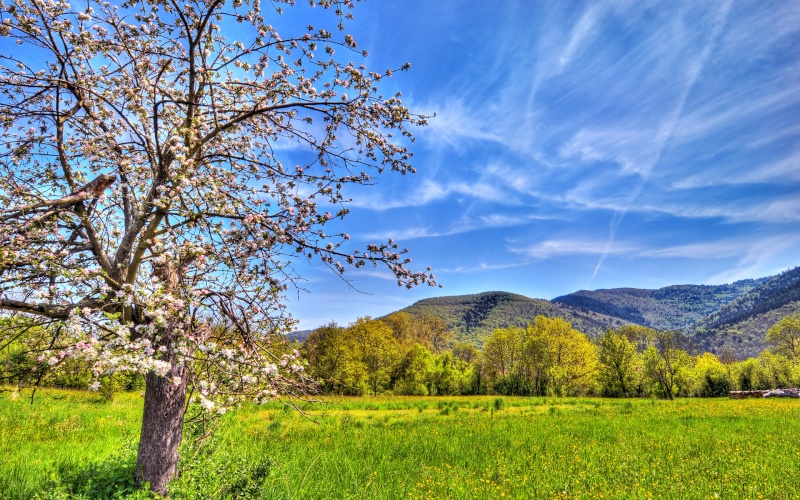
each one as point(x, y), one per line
point(404, 447)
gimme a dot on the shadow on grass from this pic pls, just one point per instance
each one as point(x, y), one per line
point(206, 473)
point(114, 477)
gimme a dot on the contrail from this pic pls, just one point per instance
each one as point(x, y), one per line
point(665, 134)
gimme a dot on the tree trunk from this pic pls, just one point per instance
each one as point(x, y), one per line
point(162, 426)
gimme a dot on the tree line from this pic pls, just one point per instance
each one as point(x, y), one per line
point(408, 355)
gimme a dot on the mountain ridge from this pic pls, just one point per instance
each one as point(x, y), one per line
point(474, 316)
point(731, 318)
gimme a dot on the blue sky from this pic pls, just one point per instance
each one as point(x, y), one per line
point(580, 145)
point(576, 145)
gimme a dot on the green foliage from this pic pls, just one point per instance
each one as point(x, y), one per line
point(669, 308)
point(667, 365)
point(729, 320)
point(452, 375)
point(114, 477)
point(373, 356)
point(547, 357)
point(336, 361)
point(776, 371)
point(466, 352)
point(749, 378)
point(621, 366)
point(784, 337)
point(378, 351)
point(20, 345)
point(711, 378)
point(772, 293)
point(211, 472)
point(725, 318)
point(741, 325)
point(768, 371)
point(414, 372)
point(472, 318)
point(502, 353)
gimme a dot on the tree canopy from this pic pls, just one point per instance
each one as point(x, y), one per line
point(784, 336)
point(164, 167)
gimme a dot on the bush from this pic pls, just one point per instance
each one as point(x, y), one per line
point(715, 384)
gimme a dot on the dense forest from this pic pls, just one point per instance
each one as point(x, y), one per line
point(699, 340)
point(675, 307)
point(474, 317)
point(501, 343)
point(410, 355)
point(733, 318)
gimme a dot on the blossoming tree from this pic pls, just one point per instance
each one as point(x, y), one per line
point(161, 164)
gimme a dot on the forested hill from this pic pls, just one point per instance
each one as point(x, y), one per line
point(474, 317)
point(676, 307)
point(771, 294)
point(733, 317)
point(740, 325)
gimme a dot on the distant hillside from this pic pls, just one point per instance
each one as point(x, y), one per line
point(474, 317)
point(299, 335)
point(730, 319)
point(772, 293)
point(743, 338)
point(742, 324)
point(676, 307)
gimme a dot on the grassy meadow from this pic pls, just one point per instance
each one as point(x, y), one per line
point(71, 444)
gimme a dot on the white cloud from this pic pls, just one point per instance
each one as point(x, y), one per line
point(777, 172)
point(556, 248)
point(758, 258)
point(480, 268)
point(456, 124)
point(755, 255)
point(466, 224)
point(581, 33)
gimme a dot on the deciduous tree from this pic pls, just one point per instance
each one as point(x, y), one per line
point(784, 337)
point(378, 351)
point(501, 353)
point(711, 378)
point(564, 356)
point(666, 363)
point(334, 360)
point(163, 165)
point(414, 371)
point(620, 364)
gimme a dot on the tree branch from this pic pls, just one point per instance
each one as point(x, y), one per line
point(91, 190)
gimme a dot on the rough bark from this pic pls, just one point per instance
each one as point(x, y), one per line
point(162, 426)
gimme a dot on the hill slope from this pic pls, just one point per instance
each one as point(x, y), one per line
point(743, 338)
point(732, 318)
point(474, 317)
point(773, 293)
point(742, 324)
point(676, 307)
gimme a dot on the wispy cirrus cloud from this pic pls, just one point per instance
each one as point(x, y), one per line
point(561, 247)
point(465, 224)
point(573, 138)
point(758, 259)
point(482, 267)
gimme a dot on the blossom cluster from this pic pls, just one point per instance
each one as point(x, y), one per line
point(182, 256)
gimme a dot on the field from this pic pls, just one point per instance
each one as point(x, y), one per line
point(72, 444)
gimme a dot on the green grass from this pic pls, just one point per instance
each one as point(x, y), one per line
point(406, 447)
